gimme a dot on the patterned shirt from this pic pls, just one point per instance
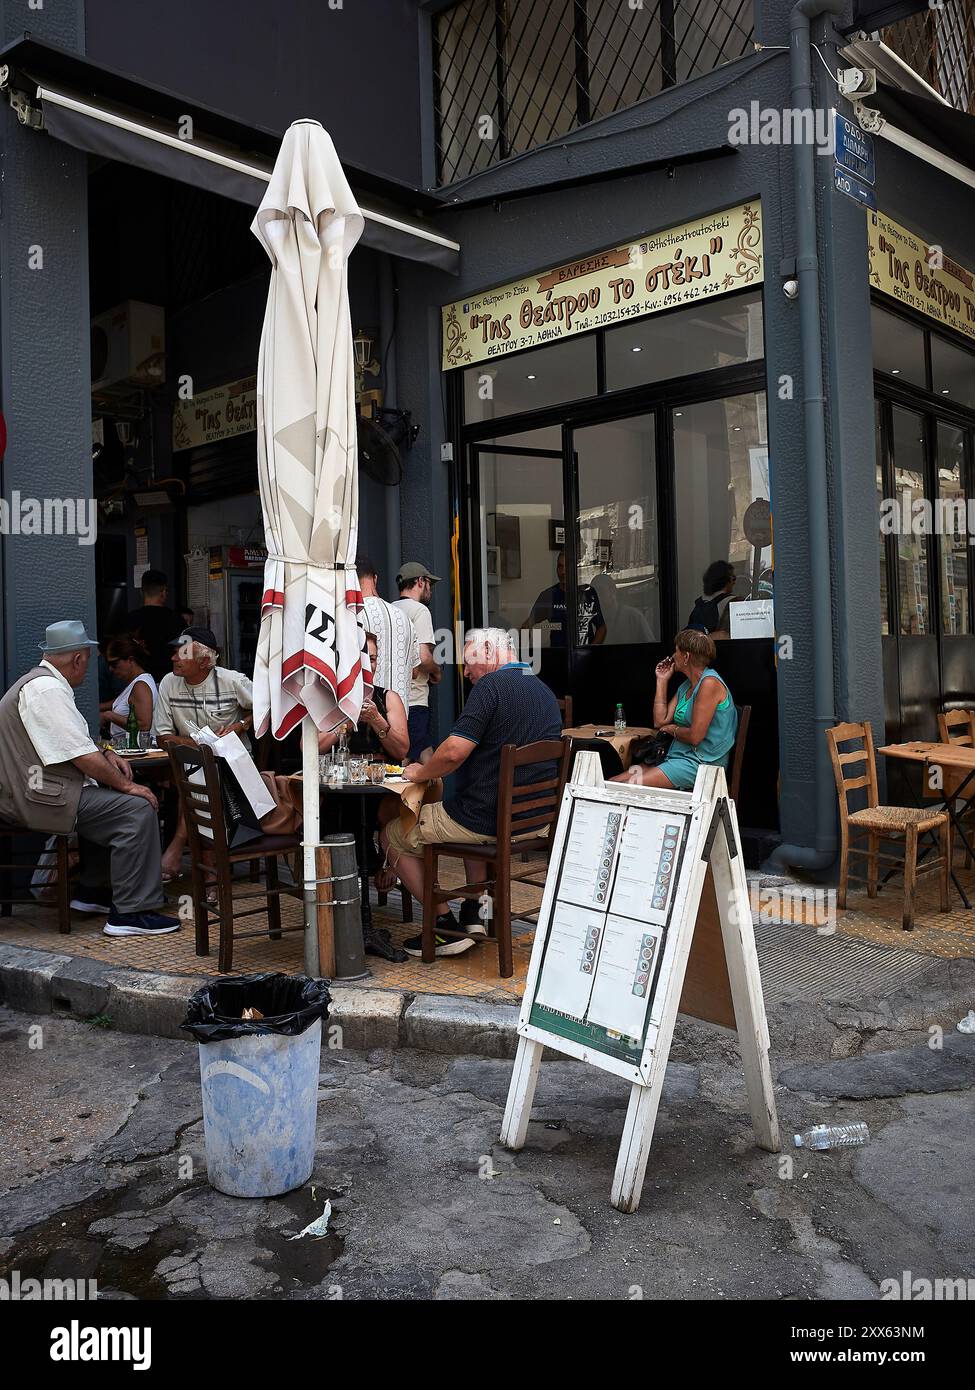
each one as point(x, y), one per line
point(397, 649)
point(223, 698)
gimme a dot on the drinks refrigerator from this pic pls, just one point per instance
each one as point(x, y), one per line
point(234, 589)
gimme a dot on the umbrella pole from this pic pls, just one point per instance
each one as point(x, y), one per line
point(310, 839)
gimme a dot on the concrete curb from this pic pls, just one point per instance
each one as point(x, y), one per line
point(147, 1002)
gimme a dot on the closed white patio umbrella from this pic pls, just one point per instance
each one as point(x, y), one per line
point(310, 665)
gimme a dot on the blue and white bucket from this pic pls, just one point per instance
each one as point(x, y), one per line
point(260, 1106)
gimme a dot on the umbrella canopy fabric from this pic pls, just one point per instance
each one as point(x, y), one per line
point(310, 650)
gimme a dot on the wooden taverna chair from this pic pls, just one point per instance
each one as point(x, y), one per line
point(876, 823)
point(956, 726)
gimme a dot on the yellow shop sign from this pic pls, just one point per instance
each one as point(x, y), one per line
point(712, 256)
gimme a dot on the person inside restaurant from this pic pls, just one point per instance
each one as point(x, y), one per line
point(127, 659)
point(710, 612)
point(54, 779)
point(700, 717)
point(155, 624)
point(550, 612)
point(199, 694)
point(508, 704)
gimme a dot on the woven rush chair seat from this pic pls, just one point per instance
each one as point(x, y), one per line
point(897, 818)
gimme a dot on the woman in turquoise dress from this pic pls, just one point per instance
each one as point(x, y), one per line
point(701, 716)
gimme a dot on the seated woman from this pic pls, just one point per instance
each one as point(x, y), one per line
point(701, 716)
point(382, 732)
point(126, 658)
point(382, 728)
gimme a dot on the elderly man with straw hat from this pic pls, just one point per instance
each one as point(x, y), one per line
point(54, 779)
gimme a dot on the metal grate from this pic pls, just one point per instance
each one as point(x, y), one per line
point(796, 963)
point(940, 46)
point(512, 74)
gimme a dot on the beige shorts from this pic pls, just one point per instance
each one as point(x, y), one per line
point(434, 826)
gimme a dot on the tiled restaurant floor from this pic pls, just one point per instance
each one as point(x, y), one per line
point(474, 974)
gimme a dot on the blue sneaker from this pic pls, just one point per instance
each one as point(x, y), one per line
point(139, 924)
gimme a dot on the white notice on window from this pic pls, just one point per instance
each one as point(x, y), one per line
point(587, 866)
point(624, 976)
point(570, 960)
point(647, 873)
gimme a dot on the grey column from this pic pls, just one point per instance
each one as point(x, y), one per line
point(44, 359)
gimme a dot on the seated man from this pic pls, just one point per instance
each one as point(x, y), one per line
point(50, 771)
point(197, 694)
point(508, 704)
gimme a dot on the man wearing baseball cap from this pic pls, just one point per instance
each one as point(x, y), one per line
point(54, 779)
point(415, 583)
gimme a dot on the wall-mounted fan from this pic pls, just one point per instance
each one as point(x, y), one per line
point(381, 441)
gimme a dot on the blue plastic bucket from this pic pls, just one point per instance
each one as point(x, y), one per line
point(260, 1105)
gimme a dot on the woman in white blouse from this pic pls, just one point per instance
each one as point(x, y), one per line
point(126, 657)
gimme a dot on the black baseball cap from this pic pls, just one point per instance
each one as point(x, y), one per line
point(204, 635)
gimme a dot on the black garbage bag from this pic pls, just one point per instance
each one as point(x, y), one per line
point(290, 1005)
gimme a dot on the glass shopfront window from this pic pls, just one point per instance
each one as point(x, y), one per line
point(717, 333)
point(912, 549)
point(954, 542)
point(530, 380)
point(618, 554)
point(721, 467)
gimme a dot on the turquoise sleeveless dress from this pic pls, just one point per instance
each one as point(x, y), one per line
point(682, 761)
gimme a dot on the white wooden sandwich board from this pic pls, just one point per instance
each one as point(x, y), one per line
point(645, 914)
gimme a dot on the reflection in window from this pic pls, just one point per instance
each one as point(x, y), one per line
point(954, 548)
point(522, 521)
point(898, 347)
point(912, 550)
point(717, 333)
point(619, 565)
point(722, 493)
point(952, 372)
point(881, 493)
point(528, 380)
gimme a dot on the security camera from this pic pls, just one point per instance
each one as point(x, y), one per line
point(791, 289)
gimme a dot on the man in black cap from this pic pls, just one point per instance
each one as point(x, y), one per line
point(198, 694)
point(415, 584)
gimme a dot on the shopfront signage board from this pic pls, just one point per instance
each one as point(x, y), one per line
point(209, 416)
point(699, 260)
point(645, 914)
point(920, 274)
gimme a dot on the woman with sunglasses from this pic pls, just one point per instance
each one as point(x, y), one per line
point(127, 658)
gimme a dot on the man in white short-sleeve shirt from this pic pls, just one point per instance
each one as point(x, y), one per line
point(54, 779)
point(415, 583)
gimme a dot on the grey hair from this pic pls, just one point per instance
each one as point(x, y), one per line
point(495, 641)
point(196, 651)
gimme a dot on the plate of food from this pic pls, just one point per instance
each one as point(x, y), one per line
point(394, 769)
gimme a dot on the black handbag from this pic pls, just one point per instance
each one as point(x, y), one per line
point(653, 753)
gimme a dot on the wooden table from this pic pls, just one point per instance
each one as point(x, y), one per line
point(626, 744)
point(958, 767)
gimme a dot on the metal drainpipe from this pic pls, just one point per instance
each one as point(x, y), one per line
point(387, 322)
point(804, 157)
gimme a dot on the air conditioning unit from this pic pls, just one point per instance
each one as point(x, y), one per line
point(128, 344)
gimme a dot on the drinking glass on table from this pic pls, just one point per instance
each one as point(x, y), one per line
point(325, 767)
point(376, 772)
point(357, 770)
point(146, 740)
point(120, 739)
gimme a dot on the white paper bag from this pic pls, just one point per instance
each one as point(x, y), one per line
point(244, 769)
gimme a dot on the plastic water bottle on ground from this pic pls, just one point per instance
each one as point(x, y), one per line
point(967, 1024)
point(620, 721)
point(833, 1136)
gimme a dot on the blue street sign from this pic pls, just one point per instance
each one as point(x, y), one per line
point(854, 150)
point(850, 185)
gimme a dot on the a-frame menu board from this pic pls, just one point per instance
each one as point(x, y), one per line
point(645, 914)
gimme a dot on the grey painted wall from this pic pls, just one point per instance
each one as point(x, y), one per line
point(44, 368)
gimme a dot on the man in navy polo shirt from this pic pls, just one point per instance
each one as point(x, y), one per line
point(508, 704)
